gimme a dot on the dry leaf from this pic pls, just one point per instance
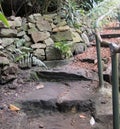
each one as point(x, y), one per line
point(40, 86)
point(95, 61)
point(82, 116)
point(41, 126)
point(14, 108)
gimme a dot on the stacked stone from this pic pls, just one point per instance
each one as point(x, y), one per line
point(40, 33)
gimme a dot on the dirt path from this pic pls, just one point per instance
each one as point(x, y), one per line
point(11, 92)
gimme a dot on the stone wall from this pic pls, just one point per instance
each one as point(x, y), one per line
point(40, 33)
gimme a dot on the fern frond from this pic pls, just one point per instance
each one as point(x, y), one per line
point(38, 62)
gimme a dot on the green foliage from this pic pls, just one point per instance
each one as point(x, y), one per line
point(101, 9)
point(3, 19)
point(26, 59)
point(64, 48)
point(89, 4)
point(38, 62)
point(67, 11)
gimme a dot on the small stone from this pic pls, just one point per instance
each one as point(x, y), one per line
point(43, 25)
point(19, 42)
point(37, 15)
point(31, 19)
point(38, 45)
point(21, 33)
point(39, 36)
point(18, 21)
point(28, 44)
point(1, 47)
point(61, 28)
point(32, 30)
point(76, 37)
point(62, 23)
point(8, 32)
point(62, 36)
point(31, 25)
point(53, 25)
point(27, 38)
point(7, 41)
point(49, 17)
point(49, 42)
point(38, 52)
point(4, 61)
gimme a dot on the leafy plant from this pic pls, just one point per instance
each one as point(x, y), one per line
point(67, 11)
point(26, 59)
point(102, 8)
point(3, 19)
point(64, 48)
point(88, 4)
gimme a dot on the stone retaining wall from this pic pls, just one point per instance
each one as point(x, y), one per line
point(40, 33)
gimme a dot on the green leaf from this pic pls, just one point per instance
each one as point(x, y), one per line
point(4, 20)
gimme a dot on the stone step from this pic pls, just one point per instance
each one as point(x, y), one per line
point(62, 96)
point(110, 35)
point(67, 74)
